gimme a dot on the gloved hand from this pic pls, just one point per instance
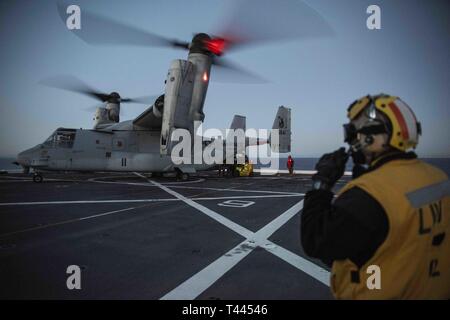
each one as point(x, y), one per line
point(331, 167)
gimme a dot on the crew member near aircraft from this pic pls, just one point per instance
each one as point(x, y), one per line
point(290, 164)
point(394, 215)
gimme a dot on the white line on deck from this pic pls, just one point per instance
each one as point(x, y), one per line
point(236, 190)
point(149, 184)
point(201, 281)
point(82, 202)
point(198, 283)
point(96, 179)
point(212, 214)
point(25, 179)
point(300, 263)
point(66, 222)
point(5, 204)
point(251, 197)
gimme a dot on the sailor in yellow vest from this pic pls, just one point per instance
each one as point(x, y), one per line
point(392, 217)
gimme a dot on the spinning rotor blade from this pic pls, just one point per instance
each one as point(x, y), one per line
point(141, 100)
point(71, 83)
point(96, 30)
point(257, 21)
point(251, 22)
point(229, 72)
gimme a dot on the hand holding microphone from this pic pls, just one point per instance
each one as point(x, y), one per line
point(330, 168)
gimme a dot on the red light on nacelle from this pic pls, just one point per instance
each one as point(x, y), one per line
point(205, 76)
point(216, 46)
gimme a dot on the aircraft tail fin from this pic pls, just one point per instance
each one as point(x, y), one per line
point(239, 122)
point(282, 123)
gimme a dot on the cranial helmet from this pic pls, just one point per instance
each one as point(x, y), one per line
point(384, 114)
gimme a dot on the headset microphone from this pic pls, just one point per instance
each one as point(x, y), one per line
point(369, 140)
point(359, 146)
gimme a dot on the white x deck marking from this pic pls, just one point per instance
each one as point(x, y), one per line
point(198, 283)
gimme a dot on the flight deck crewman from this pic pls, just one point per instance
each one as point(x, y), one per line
point(290, 164)
point(395, 214)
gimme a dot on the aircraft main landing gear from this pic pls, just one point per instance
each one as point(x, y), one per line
point(182, 176)
point(37, 177)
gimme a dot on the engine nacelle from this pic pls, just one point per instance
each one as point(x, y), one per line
point(106, 115)
point(177, 101)
point(100, 117)
point(113, 111)
point(202, 63)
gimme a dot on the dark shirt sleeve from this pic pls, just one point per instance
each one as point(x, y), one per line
point(353, 227)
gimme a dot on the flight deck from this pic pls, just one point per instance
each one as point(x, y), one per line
point(138, 237)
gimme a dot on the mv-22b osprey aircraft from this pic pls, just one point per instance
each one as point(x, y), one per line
point(128, 146)
point(144, 143)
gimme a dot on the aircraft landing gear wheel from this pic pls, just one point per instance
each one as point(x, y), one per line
point(182, 176)
point(37, 178)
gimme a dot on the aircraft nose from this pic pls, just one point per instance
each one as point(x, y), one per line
point(24, 158)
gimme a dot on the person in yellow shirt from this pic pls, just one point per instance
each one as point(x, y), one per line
point(393, 216)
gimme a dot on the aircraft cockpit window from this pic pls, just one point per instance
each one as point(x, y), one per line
point(50, 140)
point(64, 139)
point(61, 139)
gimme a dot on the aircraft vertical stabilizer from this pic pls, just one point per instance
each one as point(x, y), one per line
point(282, 123)
point(239, 122)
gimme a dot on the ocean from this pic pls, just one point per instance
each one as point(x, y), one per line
point(300, 164)
point(309, 163)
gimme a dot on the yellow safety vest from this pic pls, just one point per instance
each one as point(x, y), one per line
point(414, 259)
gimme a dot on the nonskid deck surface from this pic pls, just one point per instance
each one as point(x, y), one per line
point(136, 237)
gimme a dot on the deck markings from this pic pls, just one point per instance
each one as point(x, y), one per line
point(212, 214)
point(67, 221)
point(96, 179)
point(34, 203)
point(198, 283)
point(201, 281)
point(81, 202)
point(235, 190)
point(148, 184)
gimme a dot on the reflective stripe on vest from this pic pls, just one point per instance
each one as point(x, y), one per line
point(429, 194)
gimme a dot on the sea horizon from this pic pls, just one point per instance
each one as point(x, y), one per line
point(300, 163)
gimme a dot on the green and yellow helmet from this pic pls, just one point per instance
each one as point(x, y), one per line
point(402, 127)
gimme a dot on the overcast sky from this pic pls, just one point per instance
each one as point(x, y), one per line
point(318, 78)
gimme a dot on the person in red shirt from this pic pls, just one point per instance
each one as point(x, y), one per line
point(290, 165)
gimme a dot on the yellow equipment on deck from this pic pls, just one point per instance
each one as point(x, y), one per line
point(245, 170)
